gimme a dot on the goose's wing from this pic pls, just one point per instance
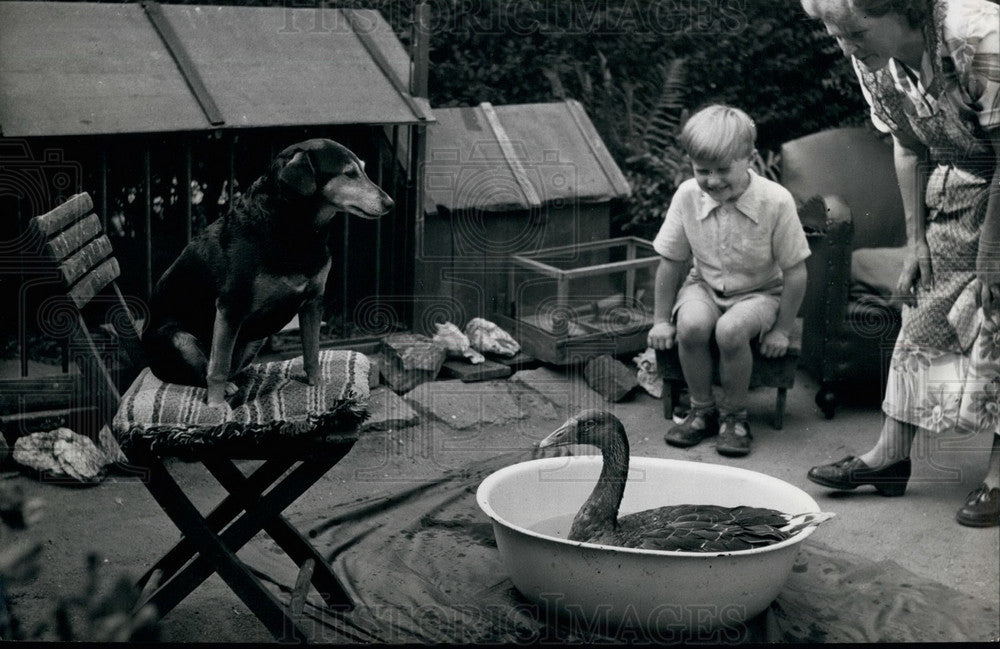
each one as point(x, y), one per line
point(748, 516)
point(701, 528)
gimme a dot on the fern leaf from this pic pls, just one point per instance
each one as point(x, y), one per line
point(663, 120)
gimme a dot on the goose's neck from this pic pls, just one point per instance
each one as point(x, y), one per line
point(600, 512)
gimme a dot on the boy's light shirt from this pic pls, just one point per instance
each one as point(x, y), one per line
point(739, 246)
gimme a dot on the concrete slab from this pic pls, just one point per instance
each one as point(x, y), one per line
point(388, 411)
point(568, 394)
point(465, 405)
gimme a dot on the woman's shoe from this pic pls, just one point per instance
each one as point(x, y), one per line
point(981, 509)
point(851, 473)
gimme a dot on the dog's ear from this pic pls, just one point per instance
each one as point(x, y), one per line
point(299, 174)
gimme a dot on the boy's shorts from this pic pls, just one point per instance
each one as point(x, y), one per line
point(762, 305)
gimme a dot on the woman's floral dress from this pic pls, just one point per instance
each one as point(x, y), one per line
point(945, 369)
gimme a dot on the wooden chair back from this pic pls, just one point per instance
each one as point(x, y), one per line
point(855, 165)
point(72, 238)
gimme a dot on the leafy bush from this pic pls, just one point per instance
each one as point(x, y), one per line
point(616, 58)
point(764, 56)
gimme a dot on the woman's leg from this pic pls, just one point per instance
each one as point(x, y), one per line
point(982, 505)
point(893, 444)
point(886, 466)
point(992, 478)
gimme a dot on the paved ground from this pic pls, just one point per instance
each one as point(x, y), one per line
point(452, 421)
point(918, 530)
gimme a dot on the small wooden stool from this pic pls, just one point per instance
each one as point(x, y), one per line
point(767, 372)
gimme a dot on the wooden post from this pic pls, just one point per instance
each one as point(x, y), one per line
point(418, 141)
point(232, 171)
point(104, 184)
point(147, 169)
point(188, 178)
point(630, 253)
point(421, 49)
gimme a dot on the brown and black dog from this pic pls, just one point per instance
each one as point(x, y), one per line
point(248, 273)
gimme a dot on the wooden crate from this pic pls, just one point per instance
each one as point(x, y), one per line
point(572, 303)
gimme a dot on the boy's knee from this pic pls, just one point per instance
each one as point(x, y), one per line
point(694, 335)
point(693, 329)
point(732, 334)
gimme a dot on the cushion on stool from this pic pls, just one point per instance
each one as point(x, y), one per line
point(269, 405)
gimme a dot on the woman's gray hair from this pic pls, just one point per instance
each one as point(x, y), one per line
point(916, 12)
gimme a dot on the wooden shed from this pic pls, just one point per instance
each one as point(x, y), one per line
point(147, 98)
point(500, 181)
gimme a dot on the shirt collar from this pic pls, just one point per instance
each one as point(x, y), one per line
point(748, 202)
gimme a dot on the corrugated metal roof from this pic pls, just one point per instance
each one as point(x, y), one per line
point(515, 157)
point(88, 68)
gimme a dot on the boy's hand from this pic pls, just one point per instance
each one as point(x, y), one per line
point(774, 343)
point(661, 336)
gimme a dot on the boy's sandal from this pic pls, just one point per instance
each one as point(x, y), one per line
point(687, 434)
point(730, 443)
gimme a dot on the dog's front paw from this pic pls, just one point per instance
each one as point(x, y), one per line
point(308, 378)
point(217, 394)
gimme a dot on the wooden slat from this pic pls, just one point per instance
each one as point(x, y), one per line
point(516, 168)
point(42, 393)
point(86, 259)
point(582, 246)
point(297, 601)
point(597, 148)
point(98, 377)
point(362, 32)
point(20, 423)
point(69, 241)
point(93, 282)
point(52, 222)
point(185, 65)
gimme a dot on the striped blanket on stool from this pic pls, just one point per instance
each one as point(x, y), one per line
point(270, 407)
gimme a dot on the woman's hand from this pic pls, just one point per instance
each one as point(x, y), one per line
point(988, 259)
point(661, 336)
point(916, 268)
point(988, 275)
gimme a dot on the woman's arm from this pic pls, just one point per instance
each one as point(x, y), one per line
point(988, 260)
point(912, 179)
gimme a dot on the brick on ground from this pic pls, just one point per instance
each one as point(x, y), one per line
point(408, 360)
point(610, 377)
point(470, 372)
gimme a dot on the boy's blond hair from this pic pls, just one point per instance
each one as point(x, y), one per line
point(719, 133)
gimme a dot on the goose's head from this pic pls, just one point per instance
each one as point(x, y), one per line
point(595, 427)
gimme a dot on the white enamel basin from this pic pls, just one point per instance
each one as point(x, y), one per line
point(531, 505)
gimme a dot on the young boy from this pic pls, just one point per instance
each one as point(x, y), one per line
point(747, 280)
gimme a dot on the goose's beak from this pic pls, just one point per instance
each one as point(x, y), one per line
point(560, 435)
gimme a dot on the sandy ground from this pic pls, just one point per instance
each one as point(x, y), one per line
point(120, 521)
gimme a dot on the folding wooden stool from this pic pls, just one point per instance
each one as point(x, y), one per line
point(299, 431)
